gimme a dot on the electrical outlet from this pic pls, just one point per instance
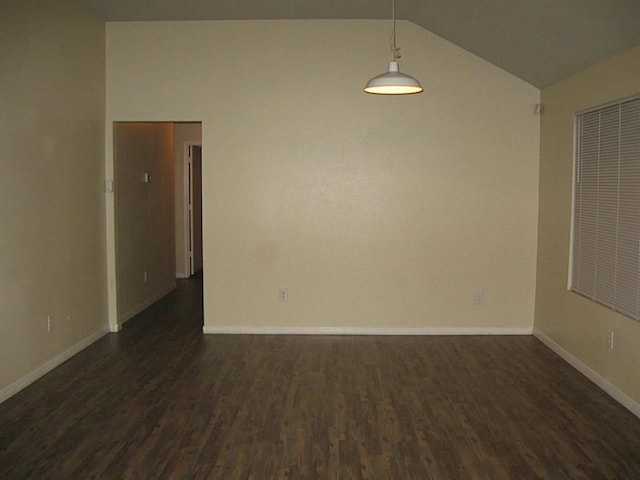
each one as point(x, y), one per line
point(610, 340)
point(284, 295)
point(49, 323)
point(478, 298)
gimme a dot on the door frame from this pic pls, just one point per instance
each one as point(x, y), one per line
point(110, 214)
point(187, 186)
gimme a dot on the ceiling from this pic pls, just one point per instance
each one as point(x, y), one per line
point(540, 41)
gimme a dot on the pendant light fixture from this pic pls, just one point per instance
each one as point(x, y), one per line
point(393, 82)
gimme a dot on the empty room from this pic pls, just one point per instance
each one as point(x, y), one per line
point(382, 239)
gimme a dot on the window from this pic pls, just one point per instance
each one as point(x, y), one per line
point(605, 254)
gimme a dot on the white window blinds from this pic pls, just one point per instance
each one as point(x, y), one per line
point(605, 263)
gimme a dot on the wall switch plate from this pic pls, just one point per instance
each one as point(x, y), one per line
point(610, 340)
point(283, 295)
point(49, 323)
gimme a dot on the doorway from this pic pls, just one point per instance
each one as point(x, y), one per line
point(194, 207)
point(188, 219)
point(152, 186)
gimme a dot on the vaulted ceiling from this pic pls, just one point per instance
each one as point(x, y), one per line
point(540, 41)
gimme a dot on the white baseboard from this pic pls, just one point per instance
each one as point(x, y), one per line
point(143, 306)
point(182, 275)
point(242, 330)
point(49, 365)
point(618, 395)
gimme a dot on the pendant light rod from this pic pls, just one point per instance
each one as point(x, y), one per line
point(395, 51)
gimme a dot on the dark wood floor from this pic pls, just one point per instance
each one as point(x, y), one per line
point(160, 400)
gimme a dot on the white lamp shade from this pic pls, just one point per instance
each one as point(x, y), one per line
point(393, 83)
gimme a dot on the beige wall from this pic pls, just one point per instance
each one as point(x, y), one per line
point(183, 132)
point(52, 247)
point(576, 324)
point(374, 212)
point(145, 231)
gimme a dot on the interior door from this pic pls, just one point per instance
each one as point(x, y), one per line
point(195, 210)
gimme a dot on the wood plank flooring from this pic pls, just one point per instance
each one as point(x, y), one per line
point(160, 400)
